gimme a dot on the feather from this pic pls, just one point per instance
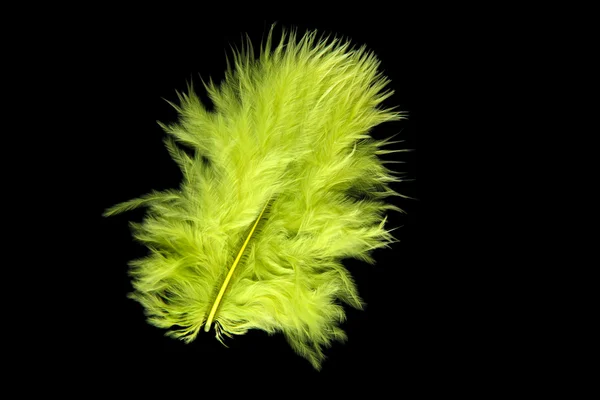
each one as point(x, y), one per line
point(283, 184)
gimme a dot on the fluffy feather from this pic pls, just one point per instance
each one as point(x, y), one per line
point(284, 182)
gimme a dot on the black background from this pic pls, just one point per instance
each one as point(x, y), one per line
point(120, 72)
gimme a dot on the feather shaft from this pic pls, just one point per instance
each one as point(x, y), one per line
point(213, 310)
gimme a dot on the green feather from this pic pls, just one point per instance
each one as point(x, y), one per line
point(284, 183)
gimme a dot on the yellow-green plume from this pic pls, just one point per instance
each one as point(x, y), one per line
point(284, 183)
